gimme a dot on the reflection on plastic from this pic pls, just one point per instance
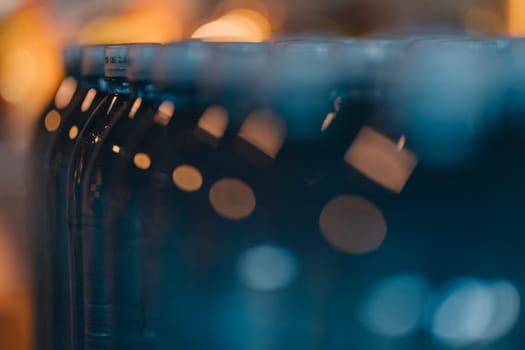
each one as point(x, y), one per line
point(135, 107)
point(381, 159)
point(164, 113)
point(88, 100)
point(267, 268)
point(328, 120)
point(265, 131)
point(65, 92)
point(353, 225)
point(214, 121)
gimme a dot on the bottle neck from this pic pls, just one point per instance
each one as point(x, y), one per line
point(117, 85)
point(179, 91)
point(94, 82)
point(183, 96)
point(142, 89)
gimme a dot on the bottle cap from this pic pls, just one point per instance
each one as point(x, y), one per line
point(237, 63)
point(115, 61)
point(92, 60)
point(71, 55)
point(141, 59)
point(305, 63)
point(181, 63)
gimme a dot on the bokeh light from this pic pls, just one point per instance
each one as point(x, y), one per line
point(18, 71)
point(134, 109)
point(73, 132)
point(152, 22)
point(214, 121)
point(394, 307)
point(265, 131)
point(381, 159)
point(88, 100)
point(480, 20)
point(506, 310)
point(142, 161)
point(30, 68)
point(352, 224)
point(65, 92)
point(267, 267)
point(115, 149)
point(472, 311)
point(241, 25)
point(52, 121)
point(232, 198)
point(463, 313)
point(516, 17)
point(187, 178)
point(164, 113)
point(15, 297)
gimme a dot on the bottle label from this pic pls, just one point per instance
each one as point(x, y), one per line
point(116, 61)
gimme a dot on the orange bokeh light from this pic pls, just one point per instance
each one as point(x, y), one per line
point(516, 17)
point(30, 62)
point(241, 25)
point(156, 24)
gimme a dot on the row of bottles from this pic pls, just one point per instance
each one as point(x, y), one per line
point(169, 178)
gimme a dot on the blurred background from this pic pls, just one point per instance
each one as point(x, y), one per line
point(33, 31)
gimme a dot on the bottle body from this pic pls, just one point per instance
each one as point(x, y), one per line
point(51, 276)
point(95, 305)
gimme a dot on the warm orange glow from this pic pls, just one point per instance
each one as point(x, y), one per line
point(265, 131)
point(157, 23)
point(232, 199)
point(382, 160)
point(30, 62)
point(7, 6)
point(15, 295)
point(516, 17)
point(273, 11)
point(135, 108)
point(236, 25)
point(328, 120)
point(480, 20)
point(164, 113)
point(401, 143)
point(187, 178)
point(73, 132)
point(112, 104)
point(16, 77)
point(352, 224)
point(251, 18)
point(52, 121)
point(214, 121)
point(88, 100)
point(65, 92)
point(142, 161)
point(115, 149)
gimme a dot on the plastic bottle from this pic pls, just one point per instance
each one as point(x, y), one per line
point(95, 304)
